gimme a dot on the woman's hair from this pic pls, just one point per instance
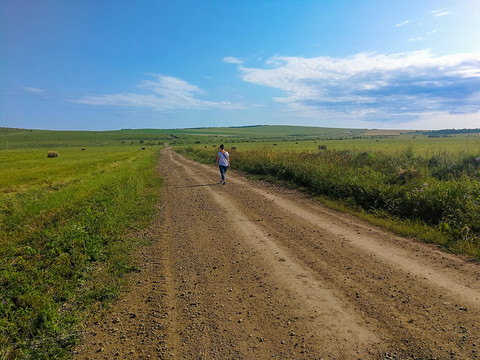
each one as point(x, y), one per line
point(221, 146)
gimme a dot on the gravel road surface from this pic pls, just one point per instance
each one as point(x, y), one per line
point(253, 271)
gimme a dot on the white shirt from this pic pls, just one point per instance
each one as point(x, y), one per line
point(223, 158)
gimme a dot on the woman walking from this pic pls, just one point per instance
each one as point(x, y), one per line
point(223, 161)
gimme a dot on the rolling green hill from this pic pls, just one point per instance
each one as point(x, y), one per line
point(272, 131)
point(15, 138)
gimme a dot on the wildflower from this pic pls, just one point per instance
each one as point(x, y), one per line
point(425, 184)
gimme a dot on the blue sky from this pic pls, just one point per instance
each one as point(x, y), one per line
point(102, 64)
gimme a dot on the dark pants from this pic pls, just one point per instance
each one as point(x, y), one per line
point(223, 170)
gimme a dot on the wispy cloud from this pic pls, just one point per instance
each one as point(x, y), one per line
point(164, 94)
point(438, 13)
point(30, 89)
point(373, 86)
point(232, 60)
point(403, 23)
point(416, 39)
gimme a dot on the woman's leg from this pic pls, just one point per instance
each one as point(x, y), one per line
point(225, 168)
point(222, 172)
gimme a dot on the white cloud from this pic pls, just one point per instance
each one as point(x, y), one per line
point(403, 23)
point(373, 87)
point(438, 13)
point(443, 120)
point(30, 89)
point(416, 39)
point(232, 60)
point(166, 93)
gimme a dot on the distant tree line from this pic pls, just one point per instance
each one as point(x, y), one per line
point(447, 132)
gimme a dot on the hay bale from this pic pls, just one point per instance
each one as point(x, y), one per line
point(52, 154)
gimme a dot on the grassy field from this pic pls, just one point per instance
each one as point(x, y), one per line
point(419, 144)
point(272, 132)
point(21, 138)
point(63, 244)
point(28, 169)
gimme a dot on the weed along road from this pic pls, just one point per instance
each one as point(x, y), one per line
point(254, 271)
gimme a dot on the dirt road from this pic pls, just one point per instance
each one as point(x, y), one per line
point(253, 271)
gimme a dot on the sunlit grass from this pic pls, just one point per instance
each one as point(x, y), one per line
point(30, 168)
point(420, 145)
point(62, 245)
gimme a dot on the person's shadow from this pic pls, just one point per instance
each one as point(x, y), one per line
point(199, 185)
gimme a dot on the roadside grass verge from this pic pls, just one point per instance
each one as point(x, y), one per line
point(63, 244)
point(434, 198)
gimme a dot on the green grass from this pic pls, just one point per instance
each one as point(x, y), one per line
point(274, 131)
point(419, 144)
point(21, 138)
point(283, 136)
point(24, 138)
point(63, 248)
point(29, 168)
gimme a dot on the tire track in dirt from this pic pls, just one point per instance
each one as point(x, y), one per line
point(253, 271)
point(433, 298)
point(465, 287)
point(315, 298)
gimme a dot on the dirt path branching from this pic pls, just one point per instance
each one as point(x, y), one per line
point(253, 271)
